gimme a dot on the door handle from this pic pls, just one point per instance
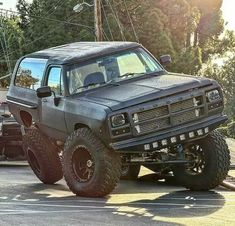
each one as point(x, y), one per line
point(44, 100)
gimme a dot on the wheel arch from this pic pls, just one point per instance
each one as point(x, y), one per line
point(80, 125)
point(26, 118)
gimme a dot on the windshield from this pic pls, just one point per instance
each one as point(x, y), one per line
point(110, 69)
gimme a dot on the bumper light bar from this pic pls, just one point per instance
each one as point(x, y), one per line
point(191, 135)
point(147, 147)
point(173, 140)
point(164, 142)
point(155, 145)
point(182, 137)
point(200, 132)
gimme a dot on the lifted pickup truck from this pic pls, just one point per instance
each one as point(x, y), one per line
point(109, 108)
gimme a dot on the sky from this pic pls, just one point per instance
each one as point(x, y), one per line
point(227, 8)
point(228, 13)
point(8, 4)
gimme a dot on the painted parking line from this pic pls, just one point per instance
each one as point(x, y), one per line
point(125, 198)
point(14, 182)
point(50, 205)
point(193, 198)
point(115, 206)
point(114, 210)
point(23, 212)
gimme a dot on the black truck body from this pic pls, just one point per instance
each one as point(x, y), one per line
point(93, 108)
point(110, 107)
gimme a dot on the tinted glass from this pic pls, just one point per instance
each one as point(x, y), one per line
point(30, 73)
point(55, 80)
point(121, 66)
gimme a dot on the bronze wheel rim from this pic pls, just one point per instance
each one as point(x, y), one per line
point(83, 164)
point(196, 154)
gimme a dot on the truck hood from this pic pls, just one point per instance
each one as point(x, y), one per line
point(138, 91)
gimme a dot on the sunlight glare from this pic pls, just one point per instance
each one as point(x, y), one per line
point(228, 13)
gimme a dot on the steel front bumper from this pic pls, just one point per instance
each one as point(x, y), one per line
point(173, 136)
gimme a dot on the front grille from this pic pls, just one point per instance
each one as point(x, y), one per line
point(186, 116)
point(151, 114)
point(152, 126)
point(168, 115)
point(182, 105)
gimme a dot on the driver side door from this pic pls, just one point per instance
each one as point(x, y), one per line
point(52, 113)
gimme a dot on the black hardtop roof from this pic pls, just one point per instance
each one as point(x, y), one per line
point(73, 52)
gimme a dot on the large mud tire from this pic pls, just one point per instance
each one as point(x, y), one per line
point(42, 156)
point(216, 165)
point(90, 169)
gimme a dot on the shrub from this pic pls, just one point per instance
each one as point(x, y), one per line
point(231, 129)
point(223, 130)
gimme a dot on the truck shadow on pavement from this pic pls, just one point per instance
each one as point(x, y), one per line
point(143, 198)
point(171, 201)
point(182, 204)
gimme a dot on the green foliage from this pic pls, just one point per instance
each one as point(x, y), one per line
point(231, 129)
point(189, 30)
point(26, 79)
point(189, 61)
point(223, 130)
point(49, 24)
point(11, 39)
point(224, 72)
point(155, 36)
point(211, 23)
point(164, 27)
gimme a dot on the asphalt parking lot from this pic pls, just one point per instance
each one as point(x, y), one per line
point(25, 201)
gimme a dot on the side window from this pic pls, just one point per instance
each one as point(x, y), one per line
point(30, 73)
point(55, 80)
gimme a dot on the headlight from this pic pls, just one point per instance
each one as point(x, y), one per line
point(213, 95)
point(118, 120)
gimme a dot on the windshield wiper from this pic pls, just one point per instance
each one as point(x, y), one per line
point(84, 87)
point(111, 82)
point(155, 73)
point(132, 74)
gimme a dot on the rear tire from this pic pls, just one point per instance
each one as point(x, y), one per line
point(42, 156)
point(90, 169)
point(215, 163)
point(130, 172)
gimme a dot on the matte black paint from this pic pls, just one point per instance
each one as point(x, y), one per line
point(93, 108)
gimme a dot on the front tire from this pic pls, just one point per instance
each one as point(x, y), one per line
point(212, 166)
point(90, 169)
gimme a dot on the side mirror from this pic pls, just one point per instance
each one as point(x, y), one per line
point(165, 60)
point(44, 91)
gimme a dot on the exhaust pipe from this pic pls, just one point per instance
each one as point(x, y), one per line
point(228, 185)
